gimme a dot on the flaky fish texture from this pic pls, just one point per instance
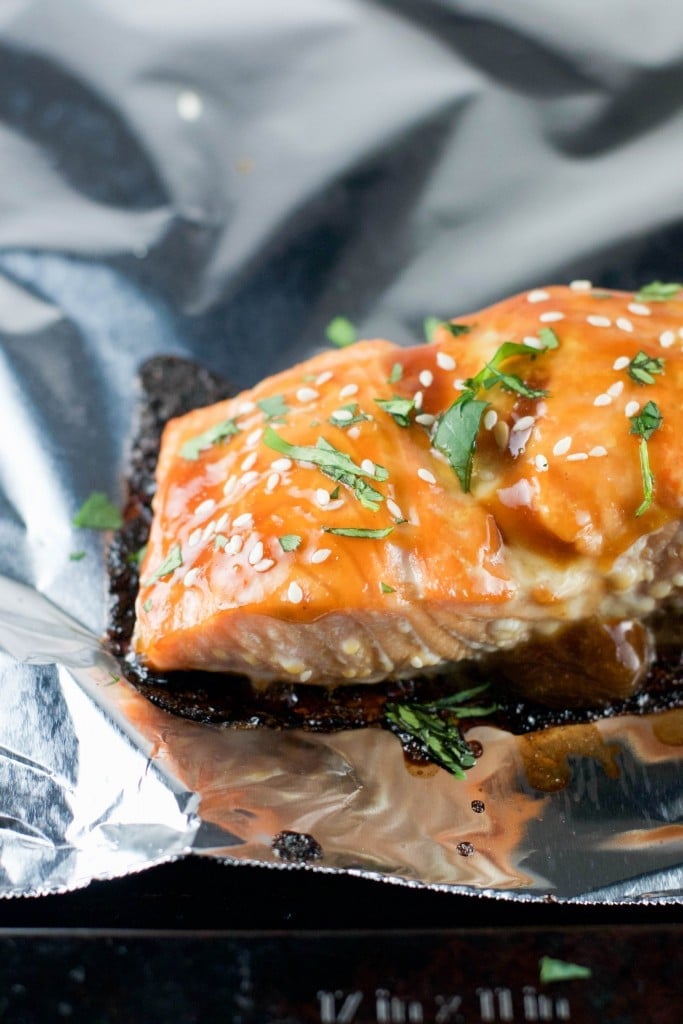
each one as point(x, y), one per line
point(378, 510)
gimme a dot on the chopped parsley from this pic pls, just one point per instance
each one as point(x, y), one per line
point(551, 970)
point(173, 561)
point(357, 416)
point(334, 493)
point(274, 408)
point(644, 424)
point(358, 531)
point(642, 368)
point(548, 338)
point(207, 439)
point(399, 408)
point(457, 329)
point(386, 589)
point(341, 332)
point(219, 542)
point(396, 374)
point(657, 291)
point(289, 542)
point(147, 606)
point(98, 513)
point(76, 556)
point(430, 326)
point(136, 557)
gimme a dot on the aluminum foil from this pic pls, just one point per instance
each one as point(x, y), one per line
point(218, 184)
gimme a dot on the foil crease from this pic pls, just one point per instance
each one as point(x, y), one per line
point(218, 185)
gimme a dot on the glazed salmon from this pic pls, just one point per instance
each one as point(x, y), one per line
point(378, 510)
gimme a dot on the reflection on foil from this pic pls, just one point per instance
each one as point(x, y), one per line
point(98, 782)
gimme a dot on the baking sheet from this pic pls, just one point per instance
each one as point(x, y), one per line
point(219, 184)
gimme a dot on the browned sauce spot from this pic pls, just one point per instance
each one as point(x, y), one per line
point(668, 728)
point(465, 849)
point(546, 754)
point(478, 806)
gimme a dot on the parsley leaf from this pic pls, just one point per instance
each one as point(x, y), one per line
point(457, 329)
point(341, 332)
point(358, 531)
point(147, 606)
point(289, 542)
point(98, 513)
point(220, 542)
point(430, 325)
point(210, 437)
point(548, 338)
point(173, 561)
point(76, 556)
point(644, 424)
point(642, 367)
point(399, 408)
point(456, 435)
point(274, 408)
point(657, 291)
point(551, 970)
point(396, 373)
point(386, 589)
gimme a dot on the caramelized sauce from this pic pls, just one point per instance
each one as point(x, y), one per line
point(546, 754)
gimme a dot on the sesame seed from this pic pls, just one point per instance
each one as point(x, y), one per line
point(597, 452)
point(190, 577)
point(295, 594)
point(348, 390)
point(426, 475)
point(580, 285)
point(666, 339)
point(305, 675)
point(195, 537)
point(322, 497)
point(425, 419)
point(598, 321)
point(426, 378)
point(229, 485)
point(624, 324)
point(632, 408)
point(245, 408)
point(551, 317)
point(577, 457)
point(209, 530)
point(281, 465)
point(272, 482)
point(264, 565)
point(246, 519)
point(351, 645)
point(393, 509)
point(444, 361)
point(235, 544)
point(562, 446)
point(221, 521)
point(354, 433)
point(418, 399)
point(324, 377)
point(501, 434)
point(248, 478)
point(307, 395)
point(537, 295)
point(249, 462)
point(541, 463)
point(490, 419)
point(368, 466)
point(256, 553)
point(254, 437)
point(205, 507)
point(321, 555)
point(639, 309)
point(524, 423)
point(458, 384)
point(603, 399)
point(532, 342)
point(615, 389)
point(416, 661)
point(621, 363)
point(343, 415)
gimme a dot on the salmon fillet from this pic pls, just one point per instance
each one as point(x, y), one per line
point(378, 510)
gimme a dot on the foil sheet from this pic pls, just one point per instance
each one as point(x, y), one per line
point(219, 186)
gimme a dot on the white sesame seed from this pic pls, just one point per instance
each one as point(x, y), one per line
point(348, 391)
point(324, 377)
point(666, 339)
point(577, 457)
point(624, 324)
point(190, 577)
point(264, 565)
point(537, 295)
point(354, 433)
point(248, 478)
point(615, 389)
point(580, 285)
point(254, 437)
point(256, 553)
point(541, 463)
point(425, 419)
point(343, 415)
point(426, 475)
point(229, 485)
point(295, 594)
point(621, 363)
point(322, 497)
point(501, 434)
point(368, 466)
point(209, 530)
point(426, 378)
point(281, 465)
point(603, 399)
point(632, 408)
point(321, 555)
point(416, 661)
point(195, 537)
point(598, 321)
point(562, 446)
point(245, 408)
point(305, 675)
point(221, 521)
point(418, 399)
point(524, 423)
point(246, 519)
point(249, 462)
point(444, 361)
point(597, 452)
point(205, 507)
point(533, 342)
point(490, 419)
point(639, 309)
point(551, 317)
point(393, 509)
point(235, 544)
point(272, 482)
point(307, 395)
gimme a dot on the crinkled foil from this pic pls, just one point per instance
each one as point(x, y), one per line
point(220, 183)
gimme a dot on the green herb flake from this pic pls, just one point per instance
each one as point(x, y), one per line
point(657, 291)
point(642, 368)
point(456, 435)
point(136, 557)
point(334, 493)
point(430, 326)
point(76, 556)
point(552, 970)
point(114, 678)
point(357, 531)
point(457, 329)
point(98, 513)
point(207, 439)
point(548, 338)
point(219, 542)
point(289, 542)
point(396, 373)
point(173, 561)
point(386, 589)
point(274, 408)
point(341, 332)
point(644, 424)
point(147, 606)
point(346, 421)
point(399, 408)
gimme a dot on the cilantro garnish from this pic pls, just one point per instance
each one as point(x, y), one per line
point(357, 416)
point(274, 408)
point(657, 291)
point(98, 513)
point(147, 606)
point(436, 726)
point(457, 329)
point(210, 437)
point(396, 373)
point(136, 557)
point(644, 424)
point(430, 325)
point(173, 561)
point(399, 408)
point(220, 541)
point(76, 556)
point(358, 531)
point(642, 367)
point(551, 970)
point(341, 332)
point(548, 338)
point(386, 589)
point(289, 542)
